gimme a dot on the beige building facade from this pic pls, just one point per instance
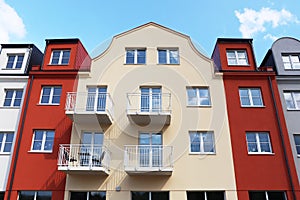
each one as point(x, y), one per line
point(149, 118)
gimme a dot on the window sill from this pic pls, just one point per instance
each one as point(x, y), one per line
point(134, 63)
point(47, 104)
point(261, 154)
point(237, 65)
point(47, 152)
point(201, 153)
point(58, 64)
point(199, 106)
point(8, 69)
point(298, 156)
point(293, 109)
point(10, 107)
point(252, 106)
point(5, 153)
point(168, 64)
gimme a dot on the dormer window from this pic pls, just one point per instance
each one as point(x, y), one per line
point(291, 61)
point(237, 57)
point(60, 57)
point(15, 61)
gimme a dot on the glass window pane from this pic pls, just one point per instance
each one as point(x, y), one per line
point(55, 57)
point(97, 195)
point(263, 137)
point(192, 96)
point(10, 62)
point(159, 195)
point(215, 195)
point(78, 196)
point(44, 195)
point(276, 195)
point(1, 139)
point(19, 62)
point(144, 139)
point(162, 56)
point(195, 142)
point(141, 56)
point(56, 95)
point(37, 145)
point(65, 57)
point(257, 196)
point(265, 147)
point(195, 195)
point(289, 100)
point(9, 137)
point(139, 195)
point(130, 56)
point(252, 147)
point(26, 195)
point(1, 195)
point(7, 147)
point(174, 59)
point(296, 138)
point(230, 54)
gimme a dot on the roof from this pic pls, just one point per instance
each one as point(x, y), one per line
point(62, 41)
point(234, 40)
point(17, 45)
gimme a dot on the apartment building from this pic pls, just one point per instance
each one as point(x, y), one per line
point(263, 163)
point(15, 62)
point(43, 124)
point(149, 122)
point(284, 58)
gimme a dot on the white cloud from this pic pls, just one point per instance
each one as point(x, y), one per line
point(11, 24)
point(271, 37)
point(253, 22)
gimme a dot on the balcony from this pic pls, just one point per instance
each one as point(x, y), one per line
point(145, 109)
point(83, 159)
point(86, 108)
point(148, 160)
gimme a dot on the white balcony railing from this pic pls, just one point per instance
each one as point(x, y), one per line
point(148, 158)
point(155, 103)
point(89, 103)
point(83, 157)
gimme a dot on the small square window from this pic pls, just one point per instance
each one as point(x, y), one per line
point(258, 142)
point(292, 99)
point(198, 96)
point(250, 97)
point(135, 56)
point(15, 61)
point(6, 142)
point(291, 62)
point(237, 57)
point(202, 142)
point(13, 98)
point(60, 57)
point(168, 56)
point(43, 140)
point(51, 95)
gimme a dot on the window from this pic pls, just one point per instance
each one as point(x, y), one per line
point(60, 57)
point(43, 140)
point(15, 61)
point(151, 99)
point(135, 56)
point(96, 99)
point(250, 97)
point(168, 56)
point(6, 141)
point(297, 143)
point(35, 195)
point(237, 57)
point(149, 195)
point(88, 196)
point(266, 195)
point(201, 195)
point(291, 61)
point(2, 195)
point(258, 142)
point(51, 95)
point(198, 96)
point(292, 100)
point(13, 98)
point(202, 142)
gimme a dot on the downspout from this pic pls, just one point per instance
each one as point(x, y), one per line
point(19, 140)
point(282, 140)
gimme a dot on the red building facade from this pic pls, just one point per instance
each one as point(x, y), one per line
point(44, 125)
point(263, 162)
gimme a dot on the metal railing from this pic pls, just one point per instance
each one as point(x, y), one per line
point(149, 103)
point(151, 157)
point(89, 102)
point(82, 155)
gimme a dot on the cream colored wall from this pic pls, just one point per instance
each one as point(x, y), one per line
point(191, 172)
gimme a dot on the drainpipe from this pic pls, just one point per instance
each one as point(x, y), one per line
point(282, 140)
point(19, 140)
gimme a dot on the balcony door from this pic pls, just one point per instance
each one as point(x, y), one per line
point(150, 149)
point(96, 98)
point(150, 99)
point(91, 149)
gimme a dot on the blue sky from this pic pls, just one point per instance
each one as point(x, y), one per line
point(94, 21)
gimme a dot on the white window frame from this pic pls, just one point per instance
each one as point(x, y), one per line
point(199, 98)
point(257, 142)
point(237, 59)
point(250, 97)
point(294, 100)
point(13, 98)
point(135, 60)
point(202, 150)
point(42, 150)
point(50, 96)
point(3, 142)
point(16, 56)
point(291, 64)
point(35, 193)
point(61, 52)
point(168, 56)
point(297, 145)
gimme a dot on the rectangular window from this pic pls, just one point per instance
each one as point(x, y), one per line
point(35, 195)
point(291, 61)
point(151, 99)
point(51, 95)
point(237, 57)
point(15, 61)
point(43, 140)
point(13, 98)
point(258, 142)
point(250, 97)
point(292, 100)
point(150, 196)
point(96, 99)
point(266, 195)
point(198, 96)
point(135, 56)
point(202, 142)
point(6, 141)
point(168, 56)
point(205, 195)
point(88, 196)
point(60, 57)
point(297, 143)
point(2, 195)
